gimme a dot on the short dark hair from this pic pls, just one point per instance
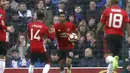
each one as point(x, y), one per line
point(15, 50)
point(40, 15)
point(114, 1)
point(62, 13)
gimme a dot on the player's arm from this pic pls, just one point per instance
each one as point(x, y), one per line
point(101, 24)
point(99, 27)
point(50, 32)
point(9, 28)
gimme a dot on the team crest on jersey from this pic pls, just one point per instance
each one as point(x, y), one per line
point(68, 29)
point(59, 30)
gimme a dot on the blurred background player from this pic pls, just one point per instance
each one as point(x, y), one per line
point(65, 46)
point(114, 19)
point(36, 31)
point(4, 36)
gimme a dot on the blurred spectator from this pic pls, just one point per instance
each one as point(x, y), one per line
point(78, 13)
point(25, 16)
point(61, 8)
point(8, 10)
point(56, 19)
point(48, 3)
point(93, 16)
point(41, 6)
point(79, 50)
point(21, 46)
point(82, 28)
point(30, 3)
point(72, 3)
point(14, 5)
point(128, 6)
point(54, 58)
point(108, 3)
point(91, 41)
point(89, 60)
point(15, 61)
point(55, 2)
point(101, 3)
point(39, 64)
point(15, 22)
point(72, 19)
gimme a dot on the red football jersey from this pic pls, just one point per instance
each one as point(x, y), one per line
point(3, 28)
point(114, 19)
point(36, 32)
point(62, 32)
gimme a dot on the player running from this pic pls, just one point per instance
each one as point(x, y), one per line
point(114, 20)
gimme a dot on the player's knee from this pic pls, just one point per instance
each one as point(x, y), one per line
point(109, 59)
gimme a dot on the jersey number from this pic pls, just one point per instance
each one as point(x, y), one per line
point(35, 35)
point(115, 18)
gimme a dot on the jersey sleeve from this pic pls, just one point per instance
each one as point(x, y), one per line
point(104, 16)
point(46, 32)
point(126, 19)
point(2, 22)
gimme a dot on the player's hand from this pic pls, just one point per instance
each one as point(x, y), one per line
point(10, 29)
point(52, 30)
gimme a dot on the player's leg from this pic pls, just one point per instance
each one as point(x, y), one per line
point(62, 57)
point(108, 53)
point(33, 59)
point(2, 56)
point(116, 51)
point(2, 63)
point(44, 57)
point(69, 60)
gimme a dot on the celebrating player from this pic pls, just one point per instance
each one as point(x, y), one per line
point(3, 35)
point(36, 31)
point(65, 46)
point(114, 19)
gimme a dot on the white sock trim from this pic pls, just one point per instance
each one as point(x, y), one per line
point(31, 69)
point(46, 68)
point(2, 66)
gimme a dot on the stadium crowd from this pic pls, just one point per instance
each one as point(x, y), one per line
point(85, 14)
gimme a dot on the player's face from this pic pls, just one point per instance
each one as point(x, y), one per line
point(2, 2)
point(62, 17)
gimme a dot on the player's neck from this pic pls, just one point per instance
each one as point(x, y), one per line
point(63, 23)
point(39, 20)
point(114, 5)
